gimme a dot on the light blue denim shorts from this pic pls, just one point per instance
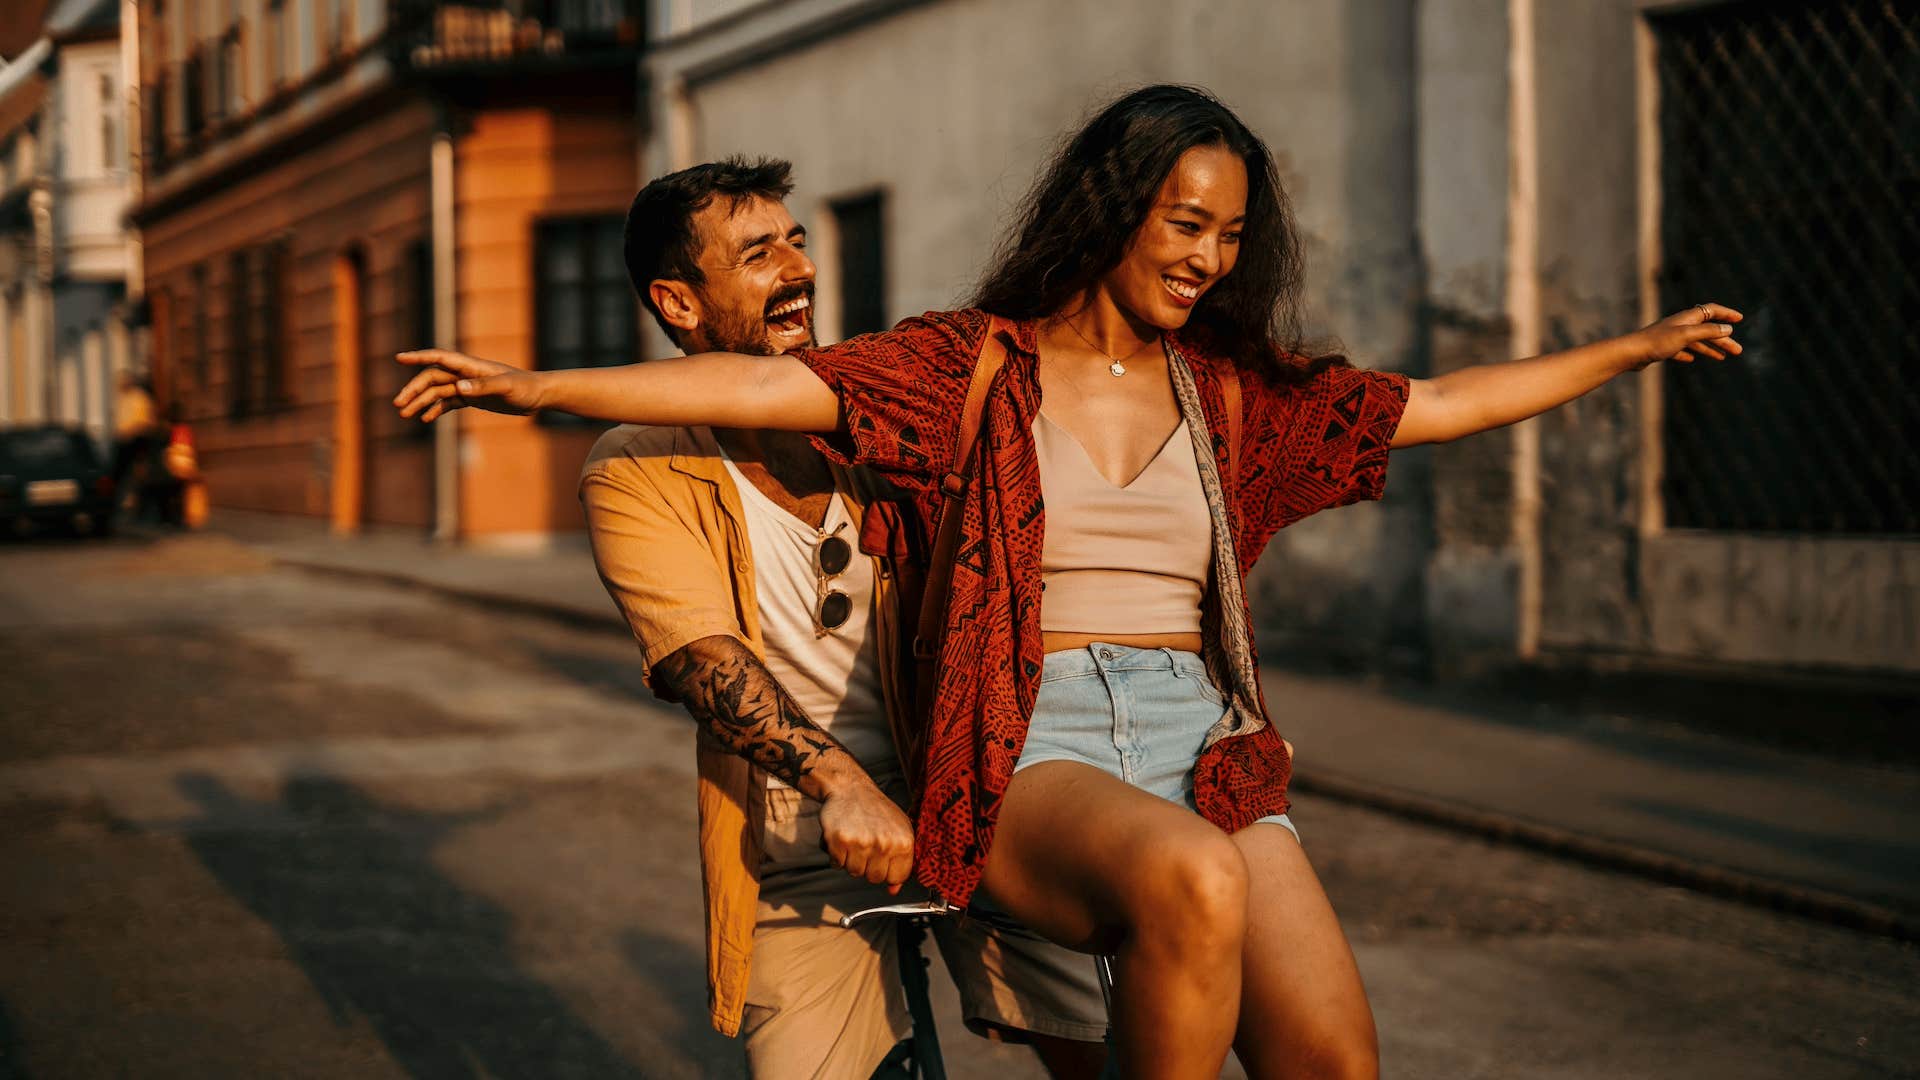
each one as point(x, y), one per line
point(1138, 714)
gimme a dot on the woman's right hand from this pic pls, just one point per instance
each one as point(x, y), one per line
point(451, 380)
point(1703, 331)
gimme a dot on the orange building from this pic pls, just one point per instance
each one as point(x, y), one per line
point(327, 182)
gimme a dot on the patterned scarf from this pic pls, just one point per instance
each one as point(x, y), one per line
point(1230, 661)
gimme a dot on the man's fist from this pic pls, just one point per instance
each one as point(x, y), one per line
point(868, 835)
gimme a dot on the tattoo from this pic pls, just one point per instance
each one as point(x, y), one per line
point(735, 699)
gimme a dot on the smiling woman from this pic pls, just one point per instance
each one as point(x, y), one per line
point(1100, 762)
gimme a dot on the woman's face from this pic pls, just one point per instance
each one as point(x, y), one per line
point(1189, 241)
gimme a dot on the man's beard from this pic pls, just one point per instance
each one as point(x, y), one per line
point(742, 331)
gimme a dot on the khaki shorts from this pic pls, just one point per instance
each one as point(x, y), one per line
point(823, 1001)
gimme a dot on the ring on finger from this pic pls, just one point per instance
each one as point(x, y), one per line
point(1706, 313)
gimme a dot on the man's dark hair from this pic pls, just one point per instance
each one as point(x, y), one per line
point(660, 241)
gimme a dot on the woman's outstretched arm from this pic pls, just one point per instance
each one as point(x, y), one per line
point(1488, 396)
point(712, 389)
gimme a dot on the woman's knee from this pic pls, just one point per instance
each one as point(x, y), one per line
point(1193, 891)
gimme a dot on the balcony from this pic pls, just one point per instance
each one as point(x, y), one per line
point(476, 35)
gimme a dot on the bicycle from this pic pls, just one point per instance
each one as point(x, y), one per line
point(917, 1057)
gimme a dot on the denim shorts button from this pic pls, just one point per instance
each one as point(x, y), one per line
point(1106, 654)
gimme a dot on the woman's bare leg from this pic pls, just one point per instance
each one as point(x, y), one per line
point(1094, 863)
point(1303, 1012)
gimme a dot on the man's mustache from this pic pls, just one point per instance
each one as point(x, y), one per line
point(791, 292)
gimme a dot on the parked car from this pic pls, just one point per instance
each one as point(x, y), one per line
point(52, 475)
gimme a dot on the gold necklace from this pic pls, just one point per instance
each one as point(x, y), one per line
point(1114, 363)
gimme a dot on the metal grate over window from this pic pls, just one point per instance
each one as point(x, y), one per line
point(1790, 188)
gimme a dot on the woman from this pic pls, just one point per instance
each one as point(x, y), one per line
point(1150, 293)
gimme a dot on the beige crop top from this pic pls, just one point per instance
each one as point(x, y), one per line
point(1131, 560)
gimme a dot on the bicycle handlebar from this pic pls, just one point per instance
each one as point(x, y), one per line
point(932, 906)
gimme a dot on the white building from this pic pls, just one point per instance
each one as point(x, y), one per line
point(65, 254)
point(1477, 180)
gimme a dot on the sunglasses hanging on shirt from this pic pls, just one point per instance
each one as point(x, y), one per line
point(834, 607)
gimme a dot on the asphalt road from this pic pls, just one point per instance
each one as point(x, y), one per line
point(259, 823)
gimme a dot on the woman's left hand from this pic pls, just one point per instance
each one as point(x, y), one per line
point(453, 380)
point(1704, 330)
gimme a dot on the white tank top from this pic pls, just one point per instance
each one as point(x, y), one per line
point(834, 677)
point(1122, 560)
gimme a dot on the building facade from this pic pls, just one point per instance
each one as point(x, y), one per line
point(67, 331)
point(1477, 180)
point(328, 182)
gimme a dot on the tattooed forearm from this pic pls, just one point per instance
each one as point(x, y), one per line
point(733, 696)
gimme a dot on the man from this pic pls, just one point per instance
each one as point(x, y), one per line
point(136, 437)
point(738, 560)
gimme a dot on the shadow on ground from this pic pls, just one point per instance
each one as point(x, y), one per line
point(662, 961)
point(352, 891)
point(617, 676)
point(10, 1065)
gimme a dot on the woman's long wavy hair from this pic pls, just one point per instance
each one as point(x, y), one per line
point(1077, 221)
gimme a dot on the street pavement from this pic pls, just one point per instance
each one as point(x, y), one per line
point(1618, 782)
point(260, 821)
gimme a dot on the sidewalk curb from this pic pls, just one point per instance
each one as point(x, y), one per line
point(1815, 904)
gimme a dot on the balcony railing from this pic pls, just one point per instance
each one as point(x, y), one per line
point(434, 34)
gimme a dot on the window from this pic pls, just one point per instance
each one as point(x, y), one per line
point(260, 360)
point(199, 348)
point(193, 88)
point(273, 44)
point(332, 16)
point(157, 92)
point(240, 358)
point(863, 264)
point(232, 91)
point(153, 126)
point(584, 308)
point(268, 341)
point(1790, 188)
point(416, 326)
point(109, 125)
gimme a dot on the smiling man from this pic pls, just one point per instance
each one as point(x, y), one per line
point(736, 558)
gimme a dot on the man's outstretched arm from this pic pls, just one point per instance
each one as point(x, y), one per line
point(738, 702)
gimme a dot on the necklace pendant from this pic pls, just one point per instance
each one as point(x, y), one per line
point(1117, 368)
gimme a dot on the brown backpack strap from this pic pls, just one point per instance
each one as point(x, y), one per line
point(1230, 400)
point(953, 487)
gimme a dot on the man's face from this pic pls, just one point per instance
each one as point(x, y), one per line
point(758, 296)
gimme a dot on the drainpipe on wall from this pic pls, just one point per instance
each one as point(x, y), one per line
point(131, 321)
point(446, 430)
point(131, 122)
point(1523, 311)
point(1653, 508)
point(38, 297)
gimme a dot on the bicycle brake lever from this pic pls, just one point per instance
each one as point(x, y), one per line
point(934, 906)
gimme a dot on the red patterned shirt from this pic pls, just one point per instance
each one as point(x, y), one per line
point(1303, 449)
